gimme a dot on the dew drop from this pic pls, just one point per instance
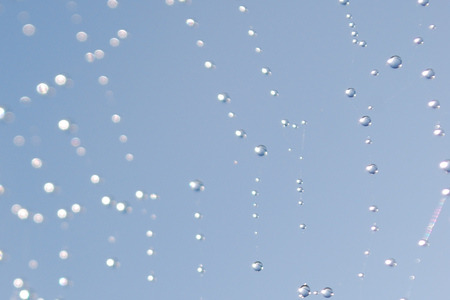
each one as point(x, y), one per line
point(274, 93)
point(304, 291)
point(257, 266)
point(374, 228)
point(200, 43)
point(348, 16)
point(28, 29)
point(285, 123)
point(365, 121)
point(251, 32)
point(373, 208)
point(240, 133)
point(255, 193)
point(261, 150)
point(374, 72)
point(432, 26)
point(327, 292)
point(82, 36)
point(390, 262)
point(438, 131)
point(395, 62)
point(266, 71)
point(434, 104)
point(344, 2)
point(423, 243)
point(223, 97)
point(242, 8)
point(361, 275)
point(258, 50)
point(255, 216)
point(445, 165)
point(362, 43)
point(372, 169)
point(350, 92)
point(42, 88)
point(354, 33)
point(197, 185)
point(302, 226)
point(201, 269)
point(351, 24)
point(423, 2)
point(418, 40)
point(428, 74)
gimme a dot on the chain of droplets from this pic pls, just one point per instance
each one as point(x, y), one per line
point(395, 62)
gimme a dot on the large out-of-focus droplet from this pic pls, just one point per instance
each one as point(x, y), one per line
point(112, 3)
point(395, 62)
point(304, 291)
point(242, 8)
point(190, 22)
point(257, 266)
point(327, 292)
point(350, 92)
point(42, 88)
point(82, 36)
point(428, 74)
point(344, 2)
point(365, 121)
point(28, 29)
point(423, 2)
point(197, 185)
point(200, 43)
point(434, 104)
point(445, 165)
point(261, 150)
point(418, 40)
point(372, 169)
point(360, 275)
point(210, 65)
point(390, 262)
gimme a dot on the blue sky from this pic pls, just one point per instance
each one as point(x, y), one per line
point(178, 131)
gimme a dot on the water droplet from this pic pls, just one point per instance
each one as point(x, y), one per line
point(354, 33)
point(361, 275)
point(28, 29)
point(255, 204)
point(432, 26)
point(350, 92)
point(198, 215)
point(240, 133)
point(348, 16)
point(258, 50)
point(199, 237)
point(351, 24)
point(304, 291)
point(428, 74)
point(190, 22)
point(274, 93)
point(151, 277)
point(303, 122)
point(423, 243)
point(372, 169)
point(63, 281)
point(374, 72)
point(395, 62)
point(251, 32)
point(42, 88)
point(299, 181)
point(210, 65)
point(295, 126)
point(355, 41)
point(362, 43)
point(302, 226)
point(261, 150)
point(445, 192)
point(434, 104)
point(327, 292)
point(257, 266)
point(300, 202)
point(300, 189)
point(255, 193)
point(418, 40)
point(257, 179)
point(445, 165)
point(365, 121)
point(255, 216)
point(374, 227)
point(285, 123)
point(242, 8)
point(112, 3)
point(201, 269)
point(197, 185)
point(266, 71)
point(390, 262)
point(344, 2)
point(438, 131)
point(24, 294)
point(373, 208)
point(423, 2)
point(82, 36)
point(223, 97)
point(367, 252)
point(49, 187)
point(111, 262)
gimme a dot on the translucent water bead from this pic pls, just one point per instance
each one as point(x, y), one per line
point(365, 121)
point(304, 291)
point(434, 104)
point(372, 169)
point(350, 92)
point(197, 185)
point(395, 62)
point(261, 150)
point(418, 40)
point(257, 266)
point(390, 262)
point(428, 74)
point(344, 2)
point(423, 2)
point(327, 292)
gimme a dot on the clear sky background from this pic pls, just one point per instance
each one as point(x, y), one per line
point(178, 131)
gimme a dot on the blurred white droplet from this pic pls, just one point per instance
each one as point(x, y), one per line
point(33, 264)
point(242, 8)
point(24, 101)
point(19, 141)
point(62, 213)
point(63, 124)
point(36, 163)
point(99, 54)
point(60, 79)
point(112, 3)
point(95, 179)
point(258, 50)
point(24, 294)
point(28, 29)
point(76, 208)
point(395, 62)
point(200, 43)
point(89, 57)
point(197, 185)
point(38, 218)
point(251, 32)
point(445, 165)
point(114, 42)
point(63, 254)
point(82, 36)
point(418, 40)
point(428, 74)
point(209, 65)
point(22, 213)
point(129, 157)
point(390, 262)
point(106, 200)
point(423, 2)
point(49, 187)
point(123, 138)
point(18, 283)
point(81, 151)
point(63, 281)
point(42, 88)
point(434, 104)
point(122, 33)
point(103, 80)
